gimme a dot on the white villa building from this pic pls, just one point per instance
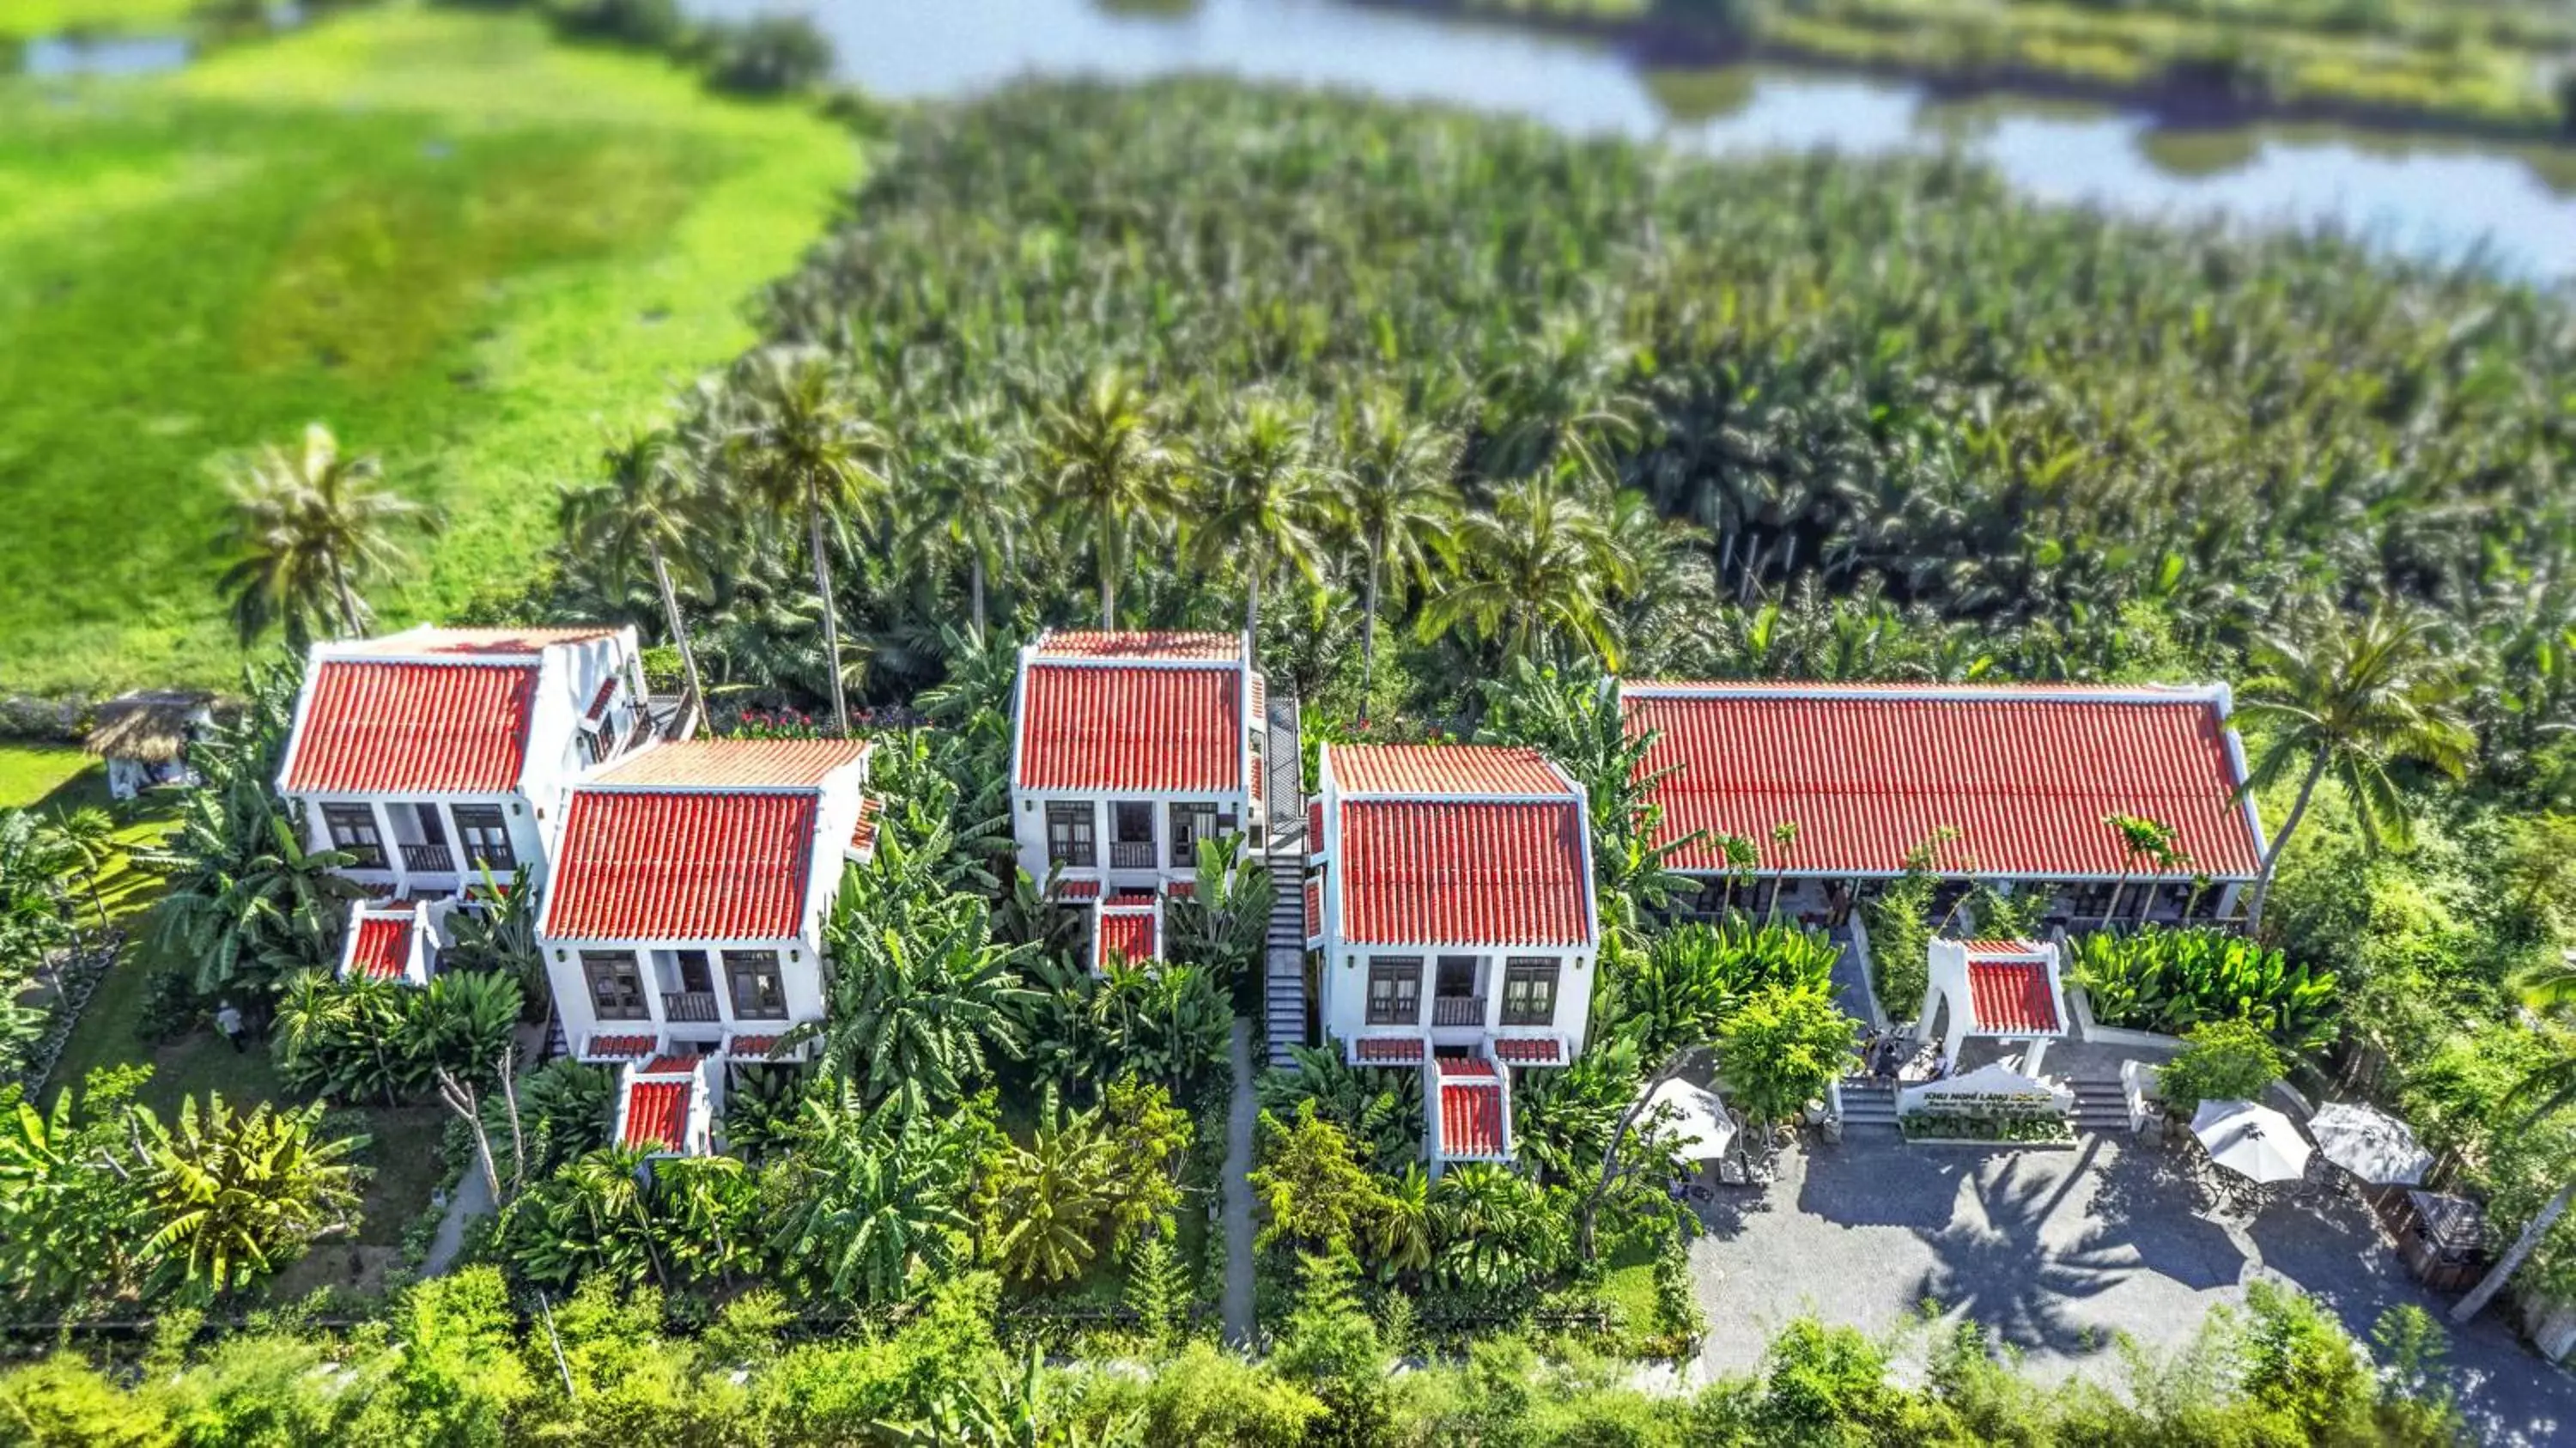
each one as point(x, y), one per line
point(1863, 774)
point(685, 914)
point(1127, 749)
point(1453, 924)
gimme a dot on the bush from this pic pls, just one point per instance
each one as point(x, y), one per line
point(646, 24)
point(2219, 1061)
point(768, 56)
point(2172, 980)
point(1782, 1049)
point(1692, 977)
point(1900, 945)
point(171, 1007)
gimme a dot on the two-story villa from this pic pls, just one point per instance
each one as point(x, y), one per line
point(432, 755)
point(690, 887)
point(1455, 920)
point(1127, 749)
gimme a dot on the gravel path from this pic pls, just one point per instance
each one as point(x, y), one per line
point(1238, 1192)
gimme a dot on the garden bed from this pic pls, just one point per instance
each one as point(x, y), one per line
point(1952, 1128)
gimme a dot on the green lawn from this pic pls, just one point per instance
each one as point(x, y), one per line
point(467, 248)
point(35, 774)
point(45, 17)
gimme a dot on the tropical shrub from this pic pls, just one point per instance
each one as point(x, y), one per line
point(2230, 1059)
point(231, 1197)
point(363, 1039)
point(1692, 977)
point(874, 1206)
point(1379, 1108)
point(2169, 980)
point(1781, 1049)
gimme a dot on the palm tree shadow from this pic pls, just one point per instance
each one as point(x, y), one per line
point(2007, 1276)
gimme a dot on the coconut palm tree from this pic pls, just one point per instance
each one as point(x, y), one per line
point(649, 508)
point(805, 448)
point(2349, 701)
point(1262, 501)
point(1396, 497)
point(1105, 471)
point(967, 491)
point(2140, 839)
point(308, 526)
point(1527, 573)
point(1784, 837)
point(84, 839)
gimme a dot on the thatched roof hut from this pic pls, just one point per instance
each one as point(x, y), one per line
point(149, 726)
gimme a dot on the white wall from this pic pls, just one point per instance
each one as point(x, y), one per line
point(800, 975)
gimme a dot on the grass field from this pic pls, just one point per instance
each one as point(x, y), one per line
point(46, 17)
point(468, 249)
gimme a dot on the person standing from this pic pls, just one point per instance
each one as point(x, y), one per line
point(228, 1021)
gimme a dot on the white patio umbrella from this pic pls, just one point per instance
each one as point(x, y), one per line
point(1697, 1124)
point(2370, 1143)
point(2255, 1142)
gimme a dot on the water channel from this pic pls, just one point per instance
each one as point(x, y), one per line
point(2430, 197)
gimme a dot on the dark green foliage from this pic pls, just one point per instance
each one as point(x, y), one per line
point(2156, 979)
point(1690, 978)
point(1781, 1048)
point(566, 1108)
point(2228, 1059)
point(645, 24)
point(768, 55)
point(364, 1040)
point(1379, 1107)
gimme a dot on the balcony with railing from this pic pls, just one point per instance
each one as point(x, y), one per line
point(689, 1005)
point(1466, 1010)
point(428, 860)
point(1131, 854)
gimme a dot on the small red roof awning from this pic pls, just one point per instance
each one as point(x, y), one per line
point(863, 837)
point(1528, 1050)
point(1314, 908)
point(1471, 1117)
point(383, 949)
point(657, 1114)
point(1129, 934)
point(616, 1046)
point(751, 1047)
point(1077, 889)
point(1388, 1050)
point(599, 701)
point(2009, 997)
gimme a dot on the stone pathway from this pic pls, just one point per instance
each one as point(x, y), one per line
point(1239, 1120)
point(473, 1199)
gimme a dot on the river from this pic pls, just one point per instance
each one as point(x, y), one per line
point(2429, 197)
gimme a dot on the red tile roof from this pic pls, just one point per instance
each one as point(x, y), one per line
point(1384, 1050)
point(1181, 889)
point(1159, 644)
point(1151, 728)
point(384, 947)
point(1314, 908)
point(863, 835)
point(1443, 873)
point(1471, 1117)
point(607, 1043)
point(386, 728)
point(657, 1114)
point(668, 1066)
point(734, 764)
point(1314, 826)
point(2025, 775)
point(1528, 1050)
point(1077, 889)
point(476, 642)
point(682, 865)
point(1466, 1066)
point(759, 1046)
point(1129, 934)
point(1444, 769)
point(599, 701)
point(2011, 998)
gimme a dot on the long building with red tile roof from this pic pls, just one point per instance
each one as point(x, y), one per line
point(1841, 782)
point(690, 887)
point(1457, 926)
point(1128, 749)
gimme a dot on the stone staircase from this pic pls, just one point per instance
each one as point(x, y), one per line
point(1869, 1104)
point(2100, 1105)
point(1283, 985)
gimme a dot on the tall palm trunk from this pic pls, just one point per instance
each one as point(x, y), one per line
point(2511, 1262)
point(1368, 621)
point(347, 597)
point(975, 593)
point(1110, 539)
point(2119, 883)
point(1772, 916)
point(2272, 856)
point(831, 611)
point(1252, 602)
point(679, 629)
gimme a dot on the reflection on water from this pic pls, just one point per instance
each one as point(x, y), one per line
point(103, 54)
point(2436, 198)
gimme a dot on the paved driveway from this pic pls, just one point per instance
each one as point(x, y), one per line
point(2057, 1253)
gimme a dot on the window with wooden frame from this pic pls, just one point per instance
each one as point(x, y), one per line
point(616, 985)
point(759, 994)
point(1071, 835)
point(485, 833)
point(353, 831)
point(1529, 991)
point(1395, 990)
